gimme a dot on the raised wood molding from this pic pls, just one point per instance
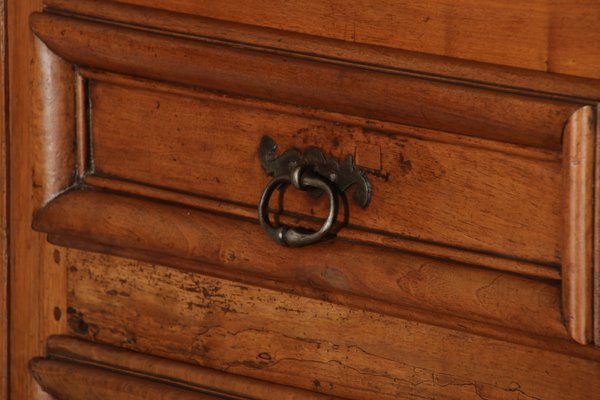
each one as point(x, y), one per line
point(579, 144)
point(428, 66)
point(544, 35)
point(526, 118)
point(74, 368)
point(336, 266)
point(327, 85)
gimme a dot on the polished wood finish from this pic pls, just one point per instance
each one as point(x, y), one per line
point(547, 35)
point(307, 343)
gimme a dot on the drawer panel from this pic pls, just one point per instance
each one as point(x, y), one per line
point(427, 186)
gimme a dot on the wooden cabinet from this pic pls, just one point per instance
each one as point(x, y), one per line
point(137, 264)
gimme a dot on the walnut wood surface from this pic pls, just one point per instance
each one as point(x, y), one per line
point(306, 343)
point(66, 348)
point(329, 85)
point(547, 35)
point(442, 193)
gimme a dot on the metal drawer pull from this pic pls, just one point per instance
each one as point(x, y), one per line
point(308, 171)
point(294, 236)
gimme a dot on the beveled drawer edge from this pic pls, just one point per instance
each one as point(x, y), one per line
point(478, 74)
point(346, 89)
point(203, 238)
point(69, 357)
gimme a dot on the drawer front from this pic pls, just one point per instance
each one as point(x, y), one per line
point(482, 195)
point(427, 186)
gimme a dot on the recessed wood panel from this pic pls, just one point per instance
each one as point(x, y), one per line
point(452, 194)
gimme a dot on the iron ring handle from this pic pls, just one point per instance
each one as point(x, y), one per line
point(290, 236)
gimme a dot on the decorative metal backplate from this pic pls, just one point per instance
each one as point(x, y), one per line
point(342, 174)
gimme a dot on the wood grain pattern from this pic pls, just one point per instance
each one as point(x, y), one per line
point(339, 266)
point(278, 41)
point(554, 36)
point(66, 348)
point(70, 381)
point(325, 85)
point(306, 343)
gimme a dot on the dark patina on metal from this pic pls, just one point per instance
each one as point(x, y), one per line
point(312, 172)
point(343, 174)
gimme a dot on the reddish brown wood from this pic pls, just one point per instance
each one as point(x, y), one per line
point(544, 35)
point(577, 257)
point(328, 85)
point(79, 351)
point(318, 47)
